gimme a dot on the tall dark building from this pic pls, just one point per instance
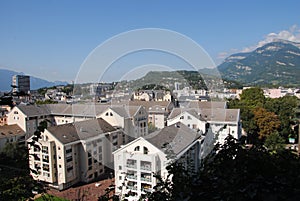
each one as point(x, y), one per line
point(21, 83)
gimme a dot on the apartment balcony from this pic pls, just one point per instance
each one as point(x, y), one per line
point(132, 188)
point(131, 164)
point(133, 177)
point(146, 165)
point(146, 179)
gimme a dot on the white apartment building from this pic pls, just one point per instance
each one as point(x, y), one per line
point(221, 121)
point(132, 119)
point(74, 152)
point(136, 161)
point(28, 117)
point(158, 111)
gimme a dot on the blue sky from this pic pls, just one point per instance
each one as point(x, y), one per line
point(51, 39)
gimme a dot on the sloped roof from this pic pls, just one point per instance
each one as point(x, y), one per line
point(177, 137)
point(206, 104)
point(146, 104)
point(10, 130)
point(34, 110)
point(220, 115)
point(125, 111)
point(212, 114)
point(88, 110)
point(82, 130)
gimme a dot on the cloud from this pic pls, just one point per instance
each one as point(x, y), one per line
point(293, 34)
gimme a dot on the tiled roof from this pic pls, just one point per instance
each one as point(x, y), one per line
point(177, 137)
point(146, 104)
point(10, 130)
point(206, 104)
point(126, 111)
point(88, 110)
point(221, 115)
point(213, 114)
point(34, 110)
point(82, 130)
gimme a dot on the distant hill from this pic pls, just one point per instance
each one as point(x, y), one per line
point(276, 63)
point(35, 83)
point(167, 80)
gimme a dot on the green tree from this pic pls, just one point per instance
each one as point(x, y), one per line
point(274, 142)
point(253, 97)
point(237, 173)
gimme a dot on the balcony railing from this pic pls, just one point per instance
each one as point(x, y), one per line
point(146, 167)
point(132, 177)
point(146, 179)
point(132, 188)
point(131, 166)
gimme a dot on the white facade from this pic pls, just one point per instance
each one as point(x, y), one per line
point(221, 121)
point(132, 119)
point(136, 162)
point(190, 121)
point(67, 156)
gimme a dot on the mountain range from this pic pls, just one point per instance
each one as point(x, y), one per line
point(275, 63)
point(35, 83)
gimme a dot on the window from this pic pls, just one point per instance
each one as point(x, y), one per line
point(189, 117)
point(120, 167)
point(137, 148)
point(182, 117)
point(16, 112)
point(69, 159)
point(146, 150)
point(69, 150)
point(120, 177)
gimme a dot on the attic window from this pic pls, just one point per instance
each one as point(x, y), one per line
point(106, 114)
point(182, 117)
point(146, 150)
point(137, 148)
point(111, 114)
point(16, 112)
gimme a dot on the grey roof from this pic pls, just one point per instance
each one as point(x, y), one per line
point(177, 136)
point(82, 130)
point(10, 130)
point(220, 115)
point(34, 110)
point(146, 104)
point(87, 110)
point(206, 104)
point(212, 114)
point(125, 110)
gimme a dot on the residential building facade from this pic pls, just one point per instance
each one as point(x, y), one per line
point(74, 152)
point(136, 162)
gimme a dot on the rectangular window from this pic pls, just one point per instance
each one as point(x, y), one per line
point(69, 159)
point(69, 150)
